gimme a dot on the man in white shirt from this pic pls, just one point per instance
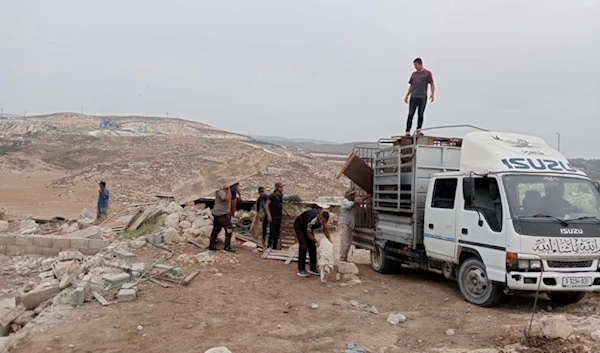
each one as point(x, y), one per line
point(346, 221)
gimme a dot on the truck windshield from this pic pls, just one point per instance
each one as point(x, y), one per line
point(555, 198)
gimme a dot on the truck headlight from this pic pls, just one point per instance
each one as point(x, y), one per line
point(535, 264)
point(523, 263)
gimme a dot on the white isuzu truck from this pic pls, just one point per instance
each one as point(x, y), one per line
point(502, 213)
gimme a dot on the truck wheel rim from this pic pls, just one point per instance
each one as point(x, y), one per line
point(376, 258)
point(477, 282)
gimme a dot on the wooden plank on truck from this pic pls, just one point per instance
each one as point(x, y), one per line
point(359, 172)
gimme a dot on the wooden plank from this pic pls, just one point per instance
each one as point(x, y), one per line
point(359, 172)
point(190, 277)
point(162, 284)
point(213, 177)
point(142, 218)
point(266, 253)
point(100, 298)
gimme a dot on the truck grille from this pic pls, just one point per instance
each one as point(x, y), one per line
point(570, 264)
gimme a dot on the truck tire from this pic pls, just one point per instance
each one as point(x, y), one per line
point(566, 298)
point(380, 263)
point(475, 285)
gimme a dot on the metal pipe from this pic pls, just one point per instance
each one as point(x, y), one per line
point(558, 134)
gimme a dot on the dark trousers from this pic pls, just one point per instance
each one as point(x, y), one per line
point(274, 233)
point(416, 104)
point(265, 224)
point(221, 222)
point(306, 245)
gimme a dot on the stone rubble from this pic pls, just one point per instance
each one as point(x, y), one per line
point(395, 319)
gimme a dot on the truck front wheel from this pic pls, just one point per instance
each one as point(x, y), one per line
point(380, 263)
point(566, 298)
point(475, 285)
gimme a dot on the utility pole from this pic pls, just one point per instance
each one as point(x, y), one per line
point(558, 135)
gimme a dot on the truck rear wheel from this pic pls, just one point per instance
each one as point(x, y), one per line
point(475, 285)
point(380, 263)
point(566, 298)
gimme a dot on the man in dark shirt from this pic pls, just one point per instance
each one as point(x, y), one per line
point(261, 203)
point(304, 227)
point(235, 194)
point(417, 91)
point(274, 208)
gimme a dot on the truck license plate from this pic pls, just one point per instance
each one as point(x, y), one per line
point(577, 282)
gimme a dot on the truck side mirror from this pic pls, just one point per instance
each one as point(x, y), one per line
point(468, 189)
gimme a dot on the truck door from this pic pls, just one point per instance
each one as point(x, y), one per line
point(440, 219)
point(480, 225)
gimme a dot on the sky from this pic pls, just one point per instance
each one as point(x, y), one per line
point(324, 69)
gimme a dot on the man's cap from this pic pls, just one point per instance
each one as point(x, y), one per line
point(261, 189)
point(278, 185)
point(349, 192)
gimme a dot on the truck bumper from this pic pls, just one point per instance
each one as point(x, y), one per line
point(553, 281)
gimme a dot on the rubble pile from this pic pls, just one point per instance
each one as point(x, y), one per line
point(54, 275)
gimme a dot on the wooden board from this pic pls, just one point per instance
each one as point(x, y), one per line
point(213, 177)
point(142, 217)
point(359, 172)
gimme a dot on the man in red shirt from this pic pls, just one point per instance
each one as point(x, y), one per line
point(417, 92)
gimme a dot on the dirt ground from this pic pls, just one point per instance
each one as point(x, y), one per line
point(249, 304)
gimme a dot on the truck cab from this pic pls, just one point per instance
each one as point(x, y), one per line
point(501, 213)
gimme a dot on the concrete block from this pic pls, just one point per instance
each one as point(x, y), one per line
point(78, 296)
point(32, 250)
point(117, 279)
point(50, 251)
point(14, 249)
point(126, 295)
point(124, 254)
point(154, 238)
point(93, 232)
point(42, 241)
point(12, 314)
point(138, 267)
point(24, 240)
point(97, 244)
point(36, 297)
point(7, 240)
point(88, 251)
point(4, 343)
point(70, 255)
point(79, 243)
point(173, 269)
point(61, 243)
point(100, 298)
point(8, 303)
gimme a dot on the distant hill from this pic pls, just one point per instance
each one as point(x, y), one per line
point(591, 167)
point(308, 144)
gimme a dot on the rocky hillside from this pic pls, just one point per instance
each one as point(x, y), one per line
point(140, 156)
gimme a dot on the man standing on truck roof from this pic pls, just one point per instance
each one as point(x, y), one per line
point(417, 92)
point(304, 227)
point(346, 221)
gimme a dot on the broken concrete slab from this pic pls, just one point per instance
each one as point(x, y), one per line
point(46, 274)
point(117, 279)
point(70, 255)
point(154, 238)
point(124, 254)
point(24, 318)
point(8, 317)
point(126, 295)
point(100, 298)
point(61, 268)
point(67, 280)
point(47, 263)
point(138, 267)
point(37, 296)
point(8, 303)
point(93, 232)
point(4, 343)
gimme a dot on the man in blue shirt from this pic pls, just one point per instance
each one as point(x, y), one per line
point(103, 198)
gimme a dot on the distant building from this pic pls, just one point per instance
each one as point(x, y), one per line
point(107, 124)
